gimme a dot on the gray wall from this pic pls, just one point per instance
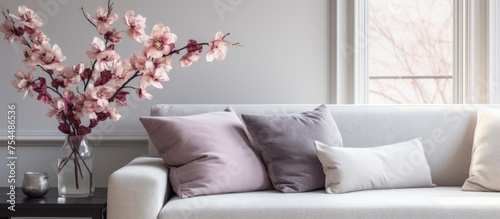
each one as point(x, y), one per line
point(285, 59)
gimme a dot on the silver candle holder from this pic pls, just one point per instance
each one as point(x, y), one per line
point(35, 184)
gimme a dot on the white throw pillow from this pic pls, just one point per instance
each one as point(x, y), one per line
point(484, 172)
point(401, 165)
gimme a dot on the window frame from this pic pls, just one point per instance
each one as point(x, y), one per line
point(494, 52)
point(473, 61)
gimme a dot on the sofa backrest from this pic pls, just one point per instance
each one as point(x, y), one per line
point(447, 131)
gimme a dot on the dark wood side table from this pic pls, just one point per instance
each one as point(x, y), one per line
point(53, 206)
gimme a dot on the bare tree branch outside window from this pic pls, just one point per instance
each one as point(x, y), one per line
point(410, 51)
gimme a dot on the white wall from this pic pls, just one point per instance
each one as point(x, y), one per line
point(284, 60)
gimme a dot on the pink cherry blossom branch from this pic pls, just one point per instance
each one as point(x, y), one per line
point(7, 17)
point(137, 73)
point(110, 8)
point(177, 51)
point(70, 116)
point(87, 82)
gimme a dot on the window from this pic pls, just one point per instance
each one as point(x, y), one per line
point(414, 51)
point(410, 53)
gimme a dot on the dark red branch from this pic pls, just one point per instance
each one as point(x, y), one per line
point(86, 83)
point(3, 11)
point(52, 78)
point(136, 74)
point(176, 51)
point(88, 19)
point(110, 6)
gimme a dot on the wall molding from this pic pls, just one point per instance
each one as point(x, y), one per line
point(57, 139)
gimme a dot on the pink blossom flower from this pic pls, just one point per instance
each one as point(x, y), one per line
point(23, 81)
point(56, 106)
point(162, 64)
point(105, 58)
point(154, 77)
point(73, 106)
point(79, 68)
point(102, 94)
point(188, 59)
point(67, 77)
point(78, 103)
point(113, 36)
point(91, 108)
point(10, 32)
point(192, 55)
point(218, 48)
point(68, 95)
point(156, 72)
point(28, 17)
point(103, 19)
point(97, 46)
point(28, 57)
point(38, 37)
point(113, 114)
point(122, 70)
point(138, 61)
point(142, 93)
point(136, 26)
point(48, 58)
point(161, 42)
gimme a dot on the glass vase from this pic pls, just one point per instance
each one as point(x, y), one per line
point(75, 176)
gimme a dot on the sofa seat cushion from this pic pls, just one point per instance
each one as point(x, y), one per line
point(438, 202)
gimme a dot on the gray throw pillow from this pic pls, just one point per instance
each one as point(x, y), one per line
point(287, 146)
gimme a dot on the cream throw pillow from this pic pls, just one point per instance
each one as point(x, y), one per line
point(484, 172)
point(401, 165)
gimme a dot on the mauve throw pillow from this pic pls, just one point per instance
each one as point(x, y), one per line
point(207, 153)
point(287, 146)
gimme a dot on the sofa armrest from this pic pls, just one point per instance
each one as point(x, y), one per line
point(138, 190)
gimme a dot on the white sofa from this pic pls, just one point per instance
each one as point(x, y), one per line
point(140, 189)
